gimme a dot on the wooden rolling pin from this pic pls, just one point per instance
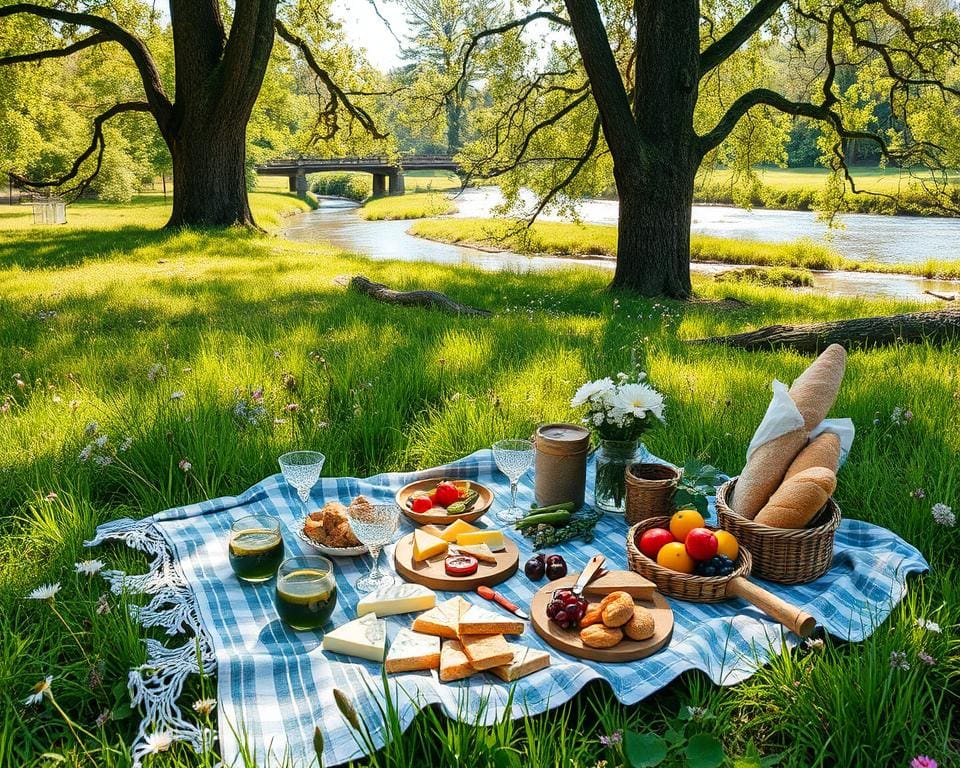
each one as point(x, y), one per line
point(799, 622)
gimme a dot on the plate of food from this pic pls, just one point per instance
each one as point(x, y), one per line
point(328, 530)
point(439, 501)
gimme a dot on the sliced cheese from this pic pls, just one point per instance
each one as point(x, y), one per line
point(493, 539)
point(486, 651)
point(482, 552)
point(630, 582)
point(412, 651)
point(426, 546)
point(526, 661)
point(480, 621)
point(455, 528)
point(397, 598)
point(432, 530)
point(365, 638)
point(443, 620)
point(454, 664)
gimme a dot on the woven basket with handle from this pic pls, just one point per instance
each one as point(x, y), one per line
point(650, 490)
point(783, 555)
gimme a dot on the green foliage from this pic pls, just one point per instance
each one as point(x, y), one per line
point(698, 482)
point(783, 277)
point(353, 186)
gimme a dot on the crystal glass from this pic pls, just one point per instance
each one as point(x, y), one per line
point(306, 592)
point(374, 525)
point(302, 470)
point(256, 547)
point(513, 457)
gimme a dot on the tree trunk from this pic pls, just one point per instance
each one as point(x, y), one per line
point(209, 177)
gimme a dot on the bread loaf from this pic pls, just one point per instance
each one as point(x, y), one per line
point(815, 390)
point(764, 472)
point(823, 451)
point(800, 498)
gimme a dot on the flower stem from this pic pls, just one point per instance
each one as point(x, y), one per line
point(72, 634)
point(73, 729)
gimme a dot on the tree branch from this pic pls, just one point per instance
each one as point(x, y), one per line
point(718, 52)
point(56, 53)
point(337, 97)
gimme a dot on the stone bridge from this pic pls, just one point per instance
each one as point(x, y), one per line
point(387, 173)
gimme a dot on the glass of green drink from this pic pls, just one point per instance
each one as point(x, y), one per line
point(256, 547)
point(306, 591)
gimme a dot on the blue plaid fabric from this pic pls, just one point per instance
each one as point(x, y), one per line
point(276, 685)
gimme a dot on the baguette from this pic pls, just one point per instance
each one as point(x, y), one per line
point(798, 500)
point(815, 390)
point(764, 472)
point(824, 451)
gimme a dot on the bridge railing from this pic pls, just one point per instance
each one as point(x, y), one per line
point(413, 159)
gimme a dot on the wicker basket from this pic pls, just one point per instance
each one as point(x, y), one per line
point(684, 586)
point(650, 489)
point(783, 555)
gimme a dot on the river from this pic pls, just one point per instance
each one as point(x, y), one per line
point(888, 239)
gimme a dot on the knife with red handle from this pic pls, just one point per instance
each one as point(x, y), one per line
point(488, 594)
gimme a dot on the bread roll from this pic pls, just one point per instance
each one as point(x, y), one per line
point(823, 451)
point(815, 390)
point(800, 498)
point(764, 472)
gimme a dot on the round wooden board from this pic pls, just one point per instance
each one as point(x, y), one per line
point(484, 502)
point(431, 573)
point(568, 640)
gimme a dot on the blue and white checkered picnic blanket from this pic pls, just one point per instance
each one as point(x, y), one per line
point(275, 685)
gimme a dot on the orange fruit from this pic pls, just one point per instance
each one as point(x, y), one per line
point(674, 556)
point(685, 521)
point(727, 544)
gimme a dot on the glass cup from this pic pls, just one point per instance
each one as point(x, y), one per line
point(374, 525)
point(513, 458)
point(302, 470)
point(306, 592)
point(256, 547)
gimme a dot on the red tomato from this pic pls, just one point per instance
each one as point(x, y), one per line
point(446, 494)
point(701, 544)
point(421, 504)
point(653, 539)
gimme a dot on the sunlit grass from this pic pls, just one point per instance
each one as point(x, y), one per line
point(416, 205)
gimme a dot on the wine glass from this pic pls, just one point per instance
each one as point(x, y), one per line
point(302, 470)
point(513, 457)
point(374, 525)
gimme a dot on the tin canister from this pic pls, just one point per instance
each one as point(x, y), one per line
point(561, 463)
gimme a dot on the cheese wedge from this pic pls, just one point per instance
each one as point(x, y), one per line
point(455, 528)
point(365, 638)
point(480, 621)
point(410, 652)
point(486, 651)
point(454, 664)
point(443, 620)
point(482, 552)
point(525, 662)
point(432, 530)
point(426, 546)
point(630, 582)
point(493, 539)
point(397, 598)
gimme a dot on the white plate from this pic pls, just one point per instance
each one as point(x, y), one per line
point(332, 551)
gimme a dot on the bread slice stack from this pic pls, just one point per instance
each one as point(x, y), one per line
point(787, 481)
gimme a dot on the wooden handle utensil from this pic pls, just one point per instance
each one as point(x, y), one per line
point(797, 621)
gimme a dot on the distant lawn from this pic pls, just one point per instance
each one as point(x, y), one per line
point(416, 205)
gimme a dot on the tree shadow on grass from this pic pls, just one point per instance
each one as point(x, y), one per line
point(35, 248)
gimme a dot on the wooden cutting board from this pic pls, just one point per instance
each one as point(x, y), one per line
point(431, 572)
point(568, 640)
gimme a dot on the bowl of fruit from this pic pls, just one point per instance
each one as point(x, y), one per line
point(438, 502)
point(686, 558)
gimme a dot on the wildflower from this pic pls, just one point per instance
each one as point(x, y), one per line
point(101, 441)
point(204, 706)
point(918, 493)
point(86, 452)
point(104, 717)
point(277, 354)
point(943, 515)
point(185, 466)
point(901, 416)
point(45, 592)
point(5, 407)
point(156, 370)
point(922, 761)
point(926, 658)
point(51, 496)
point(74, 404)
point(898, 660)
point(57, 399)
point(88, 567)
point(158, 741)
point(291, 407)
point(103, 605)
point(178, 395)
point(696, 713)
point(95, 675)
point(21, 384)
point(103, 461)
point(278, 422)
point(40, 690)
point(614, 738)
point(125, 445)
point(814, 644)
point(930, 626)
point(91, 429)
point(257, 395)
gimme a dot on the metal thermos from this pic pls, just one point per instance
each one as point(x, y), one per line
point(561, 463)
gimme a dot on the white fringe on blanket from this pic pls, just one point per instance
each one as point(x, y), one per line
point(157, 684)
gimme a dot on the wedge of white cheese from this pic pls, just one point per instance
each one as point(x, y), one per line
point(411, 651)
point(365, 638)
point(397, 598)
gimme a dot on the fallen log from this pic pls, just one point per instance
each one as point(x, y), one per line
point(942, 296)
point(433, 299)
point(915, 327)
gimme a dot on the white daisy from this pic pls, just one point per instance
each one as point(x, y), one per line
point(591, 389)
point(158, 741)
point(204, 706)
point(639, 399)
point(40, 690)
point(930, 626)
point(178, 395)
point(46, 592)
point(88, 567)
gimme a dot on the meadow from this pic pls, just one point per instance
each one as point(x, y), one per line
point(159, 339)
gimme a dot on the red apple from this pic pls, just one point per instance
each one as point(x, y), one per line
point(653, 539)
point(701, 544)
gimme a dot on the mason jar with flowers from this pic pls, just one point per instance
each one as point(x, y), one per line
point(618, 412)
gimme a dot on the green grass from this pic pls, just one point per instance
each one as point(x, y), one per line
point(415, 205)
point(104, 318)
point(572, 239)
